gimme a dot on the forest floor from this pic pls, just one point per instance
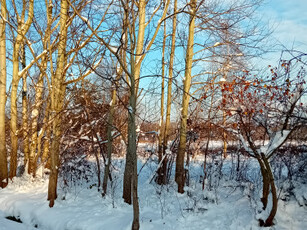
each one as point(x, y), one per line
point(230, 199)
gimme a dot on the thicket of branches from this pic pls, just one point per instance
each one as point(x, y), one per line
point(82, 78)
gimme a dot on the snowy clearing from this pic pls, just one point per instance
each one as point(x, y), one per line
point(225, 203)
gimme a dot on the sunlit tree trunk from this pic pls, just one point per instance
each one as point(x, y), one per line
point(134, 81)
point(22, 29)
point(25, 131)
point(179, 177)
point(46, 144)
point(57, 101)
point(13, 122)
point(37, 135)
point(3, 153)
point(34, 124)
point(169, 94)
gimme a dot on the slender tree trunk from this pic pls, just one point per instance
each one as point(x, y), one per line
point(57, 99)
point(25, 128)
point(110, 136)
point(179, 177)
point(169, 94)
point(22, 29)
point(134, 82)
point(45, 159)
point(160, 178)
point(132, 148)
point(14, 115)
point(224, 135)
point(46, 145)
point(39, 147)
point(3, 153)
point(34, 124)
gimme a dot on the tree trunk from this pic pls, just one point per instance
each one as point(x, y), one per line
point(22, 29)
point(169, 94)
point(179, 177)
point(14, 115)
point(34, 124)
point(46, 145)
point(136, 213)
point(55, 147)
point(132, 148)
point(110, 137)
point(269, 220)
point(3, 153)
point(160, 178)
point(25, 128)
point(57, 101)
point(265, 183)
point(135, 65)
point(224, 135)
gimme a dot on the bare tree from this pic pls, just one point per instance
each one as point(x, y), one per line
point(180, 173)
point(271, 109)
point(21, 30)
point(3, 152)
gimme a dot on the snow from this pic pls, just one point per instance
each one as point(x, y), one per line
point(275, 141)
point(113, 49)
point(130, 110)
point(6, 224)
point(225, 203)
point(85, 20)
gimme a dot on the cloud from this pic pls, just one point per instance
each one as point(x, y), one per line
point(291, 34)
point(289, 20)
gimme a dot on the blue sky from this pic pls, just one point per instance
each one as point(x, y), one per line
point(289, 21)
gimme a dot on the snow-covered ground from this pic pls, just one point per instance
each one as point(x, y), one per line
point(225, 203)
